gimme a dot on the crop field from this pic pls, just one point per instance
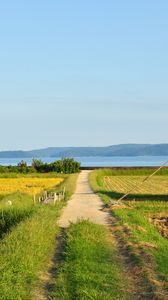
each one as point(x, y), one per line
point(122, 184)
point(141, 226)
point(30, 186)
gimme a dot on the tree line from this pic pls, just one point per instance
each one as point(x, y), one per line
point(65, 165)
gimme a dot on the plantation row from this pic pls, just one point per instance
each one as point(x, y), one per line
point(122, 184)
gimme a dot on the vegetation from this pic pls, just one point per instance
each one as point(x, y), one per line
point(28, 232)
point(16, 200)
point(91, 269)
point(30, 186)
point(144, 234)
point(133, 226)
point(113, 184)
point(122, 184)
point(65, 165)
point(11, 217)
point(25, 250)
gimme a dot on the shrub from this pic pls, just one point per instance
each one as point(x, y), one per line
point(66, 165)
point(22, 167)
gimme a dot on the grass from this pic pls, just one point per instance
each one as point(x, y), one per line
point(16, 200)
point(24, 251)
point(144, 234)
point(91, 269)
point(130, 172)
point(133, 223)
point(27, 247)
point(10, 217)
point(33, 175)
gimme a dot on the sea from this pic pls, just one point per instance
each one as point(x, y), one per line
point(98, 161)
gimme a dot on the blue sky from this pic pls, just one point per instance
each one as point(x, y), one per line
point(80, 73)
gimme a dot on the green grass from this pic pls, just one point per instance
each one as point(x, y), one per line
point(91, 269)
point(129, 172)
point(141, 235)
point(145, 234)
point(18, 200)
point(11, 217)
point(33, 175)
point(26, 249)
point(24, 252)
point(69, 184)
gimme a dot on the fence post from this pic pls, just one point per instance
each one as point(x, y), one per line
point(64, 193)
point(55, 197)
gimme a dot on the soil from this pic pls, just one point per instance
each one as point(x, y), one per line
point(84, 204)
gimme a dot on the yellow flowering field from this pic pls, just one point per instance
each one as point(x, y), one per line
point(30, 186)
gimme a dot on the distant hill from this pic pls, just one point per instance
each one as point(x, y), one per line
point(115, 150)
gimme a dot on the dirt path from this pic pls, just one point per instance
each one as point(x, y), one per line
point(84, 204)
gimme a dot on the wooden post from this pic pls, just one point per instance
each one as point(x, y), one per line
point(59, 198)
point(64, 193)
point(55, 198)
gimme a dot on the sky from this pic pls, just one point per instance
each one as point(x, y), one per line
point(83, 73)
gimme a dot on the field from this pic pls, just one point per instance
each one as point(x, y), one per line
point(28, 231)
point(30, 186)
point(122, 184)
point(142, 245)
point(126, 260)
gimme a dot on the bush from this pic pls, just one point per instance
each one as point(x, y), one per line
point(66, 165)
point(22, 167)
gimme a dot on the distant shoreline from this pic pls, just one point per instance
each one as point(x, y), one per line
point(98, 161)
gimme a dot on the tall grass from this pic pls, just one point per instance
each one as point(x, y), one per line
point(16, 200)
point(11, 217)
point(27, 248)
point(91, 269)
point(24, 251)
point(145, 234)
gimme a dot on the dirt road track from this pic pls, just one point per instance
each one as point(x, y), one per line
point(84, 204)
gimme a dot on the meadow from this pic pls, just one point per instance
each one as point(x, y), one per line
point(90, 267)
point(140, 242)
point(28, 230)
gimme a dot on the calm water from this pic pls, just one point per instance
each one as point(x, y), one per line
point(99, 161)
